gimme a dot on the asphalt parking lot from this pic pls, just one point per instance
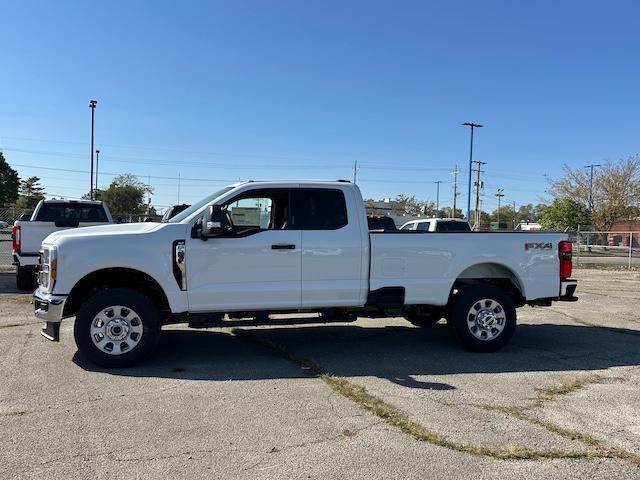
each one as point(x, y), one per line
point(374, 398)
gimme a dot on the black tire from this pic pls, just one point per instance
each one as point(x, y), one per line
point(148, 316)
point(462, 321)
point(423, 320)
point(25, 278)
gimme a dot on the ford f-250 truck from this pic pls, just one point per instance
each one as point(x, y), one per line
point(50, 216)
point(288, 246)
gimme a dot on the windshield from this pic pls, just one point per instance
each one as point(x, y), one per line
point(197, 206)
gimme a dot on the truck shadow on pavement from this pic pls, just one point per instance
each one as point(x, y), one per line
point(396, 353)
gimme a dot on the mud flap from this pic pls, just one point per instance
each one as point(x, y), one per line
point(51, 331)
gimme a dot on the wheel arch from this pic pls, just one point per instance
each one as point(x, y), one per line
point(119, 277)
point(493, 273)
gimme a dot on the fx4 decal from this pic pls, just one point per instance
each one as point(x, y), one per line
point(538, 246)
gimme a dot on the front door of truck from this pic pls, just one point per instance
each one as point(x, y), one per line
point(256, 266)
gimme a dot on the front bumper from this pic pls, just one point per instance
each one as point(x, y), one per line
point(50, 308)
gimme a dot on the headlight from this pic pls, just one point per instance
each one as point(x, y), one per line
point(48, 267)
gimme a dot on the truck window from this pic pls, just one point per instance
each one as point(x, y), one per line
point(53, 212)
point(423, 226)
point(408, 226)
point(453, 227)
point(260, 209)
point(318, 209)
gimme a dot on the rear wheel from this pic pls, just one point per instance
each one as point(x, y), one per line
point(25, 278)
point(117, 327)
point(483, 317)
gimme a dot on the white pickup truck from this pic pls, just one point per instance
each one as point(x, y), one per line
point(288, 246)
point(50, 216)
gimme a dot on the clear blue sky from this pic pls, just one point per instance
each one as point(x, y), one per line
point(291, 89)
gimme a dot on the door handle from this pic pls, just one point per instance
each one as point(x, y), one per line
point(283, 246)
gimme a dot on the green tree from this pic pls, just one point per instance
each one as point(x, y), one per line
point(506, 215)
point(29, 193)
point(530, 213)
point(446, 213)
point(616, 190)
point(565, 213)
point(9, 182)
point(404, 204)
point(125, 195)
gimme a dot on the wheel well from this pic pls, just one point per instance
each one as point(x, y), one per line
point(493, 274)
point(116, 278)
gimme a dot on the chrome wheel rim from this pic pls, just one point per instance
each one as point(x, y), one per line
point(116, 330)
point(486, 319)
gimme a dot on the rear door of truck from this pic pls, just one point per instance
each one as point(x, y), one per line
point(332, 245)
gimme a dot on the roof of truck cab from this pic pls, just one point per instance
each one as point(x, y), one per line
point(337, 183)
point(418, 220)
point(72, 200)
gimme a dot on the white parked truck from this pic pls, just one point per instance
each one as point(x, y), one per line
point(438, 225)
point(50, 216)
point(288, 246)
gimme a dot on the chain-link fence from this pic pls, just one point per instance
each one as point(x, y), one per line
point(7, 217)
point(615, 248)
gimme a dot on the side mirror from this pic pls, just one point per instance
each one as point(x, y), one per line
point(212, 222)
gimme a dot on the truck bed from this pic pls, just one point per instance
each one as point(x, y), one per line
point(427, 264)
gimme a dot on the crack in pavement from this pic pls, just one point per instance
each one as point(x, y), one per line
point(395, 418)
point(635, 333)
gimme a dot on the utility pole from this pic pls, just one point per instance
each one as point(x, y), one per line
point(149, 195)
point(437, 182)
point(455, 191)
point(514, 214)
point(178, 202)
point(92, 106)
point(97, 163)
point(499, 194)
point(591, 167)
point(478, 184)
point(355, 171)
point(472, 126)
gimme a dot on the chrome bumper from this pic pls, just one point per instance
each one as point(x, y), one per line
point(48, 307)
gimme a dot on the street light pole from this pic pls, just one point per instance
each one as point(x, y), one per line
point(472, 126)
point(97, 163)
point(92, 106)
point(437, 182)
point(591, 167)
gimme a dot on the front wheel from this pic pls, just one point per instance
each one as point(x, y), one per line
point(483, 317)
point(117, 327)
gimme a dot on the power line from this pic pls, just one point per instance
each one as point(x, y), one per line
point(171, 162)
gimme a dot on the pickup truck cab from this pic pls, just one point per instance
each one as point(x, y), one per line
point(287, 246)
point(50, 216)
point(438, 225)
